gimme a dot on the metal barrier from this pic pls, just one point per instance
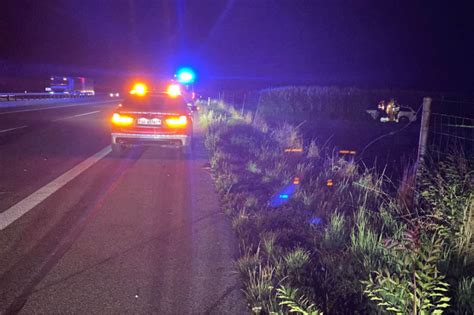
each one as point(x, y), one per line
point(32, 96)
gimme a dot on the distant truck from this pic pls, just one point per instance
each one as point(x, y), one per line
point(74, 86)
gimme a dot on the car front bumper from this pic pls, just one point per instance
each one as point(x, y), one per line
point(151, 139)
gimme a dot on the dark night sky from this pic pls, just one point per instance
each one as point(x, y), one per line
point(408, 44)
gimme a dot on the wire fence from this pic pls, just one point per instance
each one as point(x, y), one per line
point(451, 121)
point(451, 127)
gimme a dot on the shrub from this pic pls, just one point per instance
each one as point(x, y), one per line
point(293, 302)
point(414, 285)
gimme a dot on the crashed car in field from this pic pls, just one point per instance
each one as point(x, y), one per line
point(393, 112)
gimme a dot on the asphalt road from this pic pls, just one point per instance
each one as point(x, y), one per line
point(84, 232)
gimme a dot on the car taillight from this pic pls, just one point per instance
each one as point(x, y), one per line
point(122, 120)
point(177, 122)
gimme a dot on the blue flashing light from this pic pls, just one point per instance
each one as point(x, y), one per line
point(186, 76)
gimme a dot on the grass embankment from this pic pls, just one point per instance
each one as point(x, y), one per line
point(339, 244)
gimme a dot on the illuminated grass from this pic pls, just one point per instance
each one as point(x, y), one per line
point(324, 241)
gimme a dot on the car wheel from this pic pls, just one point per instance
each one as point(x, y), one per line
point(403, 119)
point(186, 150)
point(117, 149)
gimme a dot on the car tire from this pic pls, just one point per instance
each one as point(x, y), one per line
point(117, 149)
point(403, 120)
point(186, 150)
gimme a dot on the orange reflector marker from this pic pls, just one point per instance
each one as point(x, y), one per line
point(329, 183)
point(296, 181)
point(347, 152)
point(177, 122)
point(139, 89)
point(173, 90)
point(294, 150)
point(118, 119)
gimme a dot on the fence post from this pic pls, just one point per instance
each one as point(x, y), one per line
point(424, 129)
point(422, 144)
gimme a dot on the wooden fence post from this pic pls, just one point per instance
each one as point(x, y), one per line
point(424, 129)
point(422, 144)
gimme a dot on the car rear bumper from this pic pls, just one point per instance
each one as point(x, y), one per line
point(151, 139)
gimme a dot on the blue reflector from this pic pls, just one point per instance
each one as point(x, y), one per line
point(315, 220)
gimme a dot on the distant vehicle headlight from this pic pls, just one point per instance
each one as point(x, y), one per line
point(117, 94)
point(111, 94)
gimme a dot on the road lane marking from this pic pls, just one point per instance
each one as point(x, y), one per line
point(15, 212)
point(53, 107)
point(89, 113)
point(79, 115)
point(11, 129)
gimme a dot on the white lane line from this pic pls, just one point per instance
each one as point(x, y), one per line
point(89, 113)
point(79, 115)
point(11, 129)
point(54, 107)
point(15, 212)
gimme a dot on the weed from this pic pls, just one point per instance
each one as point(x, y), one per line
point(288, 136)
point(414, 285)
point(294, 302)
point(260, 290)
point(296, 264)
point(335, 233)
point(465, 296)
point(248, 262)
point(269, 244)
point(252, 167)
point(366, 245)
point(313, 151)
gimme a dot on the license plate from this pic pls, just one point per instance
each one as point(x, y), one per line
point(149, 122)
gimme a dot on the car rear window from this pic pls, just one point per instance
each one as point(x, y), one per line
point(154, 102)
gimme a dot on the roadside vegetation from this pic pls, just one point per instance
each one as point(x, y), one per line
point(320, 234)
point(297, 103)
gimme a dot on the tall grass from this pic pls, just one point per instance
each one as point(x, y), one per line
point(341, 243)
point(298, 103)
